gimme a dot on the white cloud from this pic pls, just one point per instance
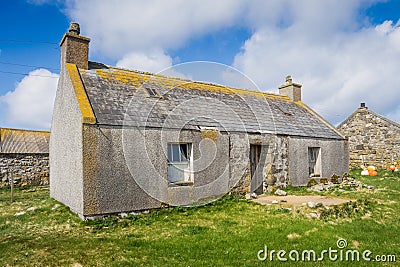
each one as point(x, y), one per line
point(328, 46)
point(154, 61)
point(339, 64)
point(120, 27)
point(30, 105)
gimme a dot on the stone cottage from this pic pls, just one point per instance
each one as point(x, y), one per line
point(125, 140)
point(373, 139)
point(24, 154)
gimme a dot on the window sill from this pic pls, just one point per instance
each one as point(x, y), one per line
point(181, 183)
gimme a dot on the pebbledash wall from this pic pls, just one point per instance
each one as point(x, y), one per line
point(373, 139)
point(24, 155)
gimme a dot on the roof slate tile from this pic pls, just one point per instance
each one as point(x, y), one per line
point(118, 97)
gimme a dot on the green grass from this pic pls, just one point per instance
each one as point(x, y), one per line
point(228, 232)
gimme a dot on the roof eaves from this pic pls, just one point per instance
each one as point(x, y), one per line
point(88, 116)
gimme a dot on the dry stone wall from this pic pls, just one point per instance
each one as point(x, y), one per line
point(273, 162)
point(373, 140)
point(280, 164)
point(27, 169)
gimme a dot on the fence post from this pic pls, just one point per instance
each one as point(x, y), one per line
point(11, 179)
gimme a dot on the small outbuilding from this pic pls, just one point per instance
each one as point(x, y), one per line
point(373, 139)
point(24, 154)
point(125, 140)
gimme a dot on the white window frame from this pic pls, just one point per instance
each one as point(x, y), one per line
point(314, 162)
point(180, 167)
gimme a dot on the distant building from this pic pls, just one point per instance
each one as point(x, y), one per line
point(373, 139)
point(125, 140)
point(25, 155)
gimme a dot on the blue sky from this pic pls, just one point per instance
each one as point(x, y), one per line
point(343, 52)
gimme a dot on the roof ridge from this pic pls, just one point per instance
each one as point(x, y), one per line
point(24, 130)
point(235, 89)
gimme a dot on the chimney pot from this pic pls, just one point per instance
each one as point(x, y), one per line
point(74, 28)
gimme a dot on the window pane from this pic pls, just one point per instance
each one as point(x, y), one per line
point(314, 160)
point(184, 152)
point(311, 153)
point(169, 153)
point(179, 171)
point(175, 153)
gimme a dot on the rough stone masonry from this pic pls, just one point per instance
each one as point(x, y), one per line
point(27, 169)
point(24, 156)
point(373, 139)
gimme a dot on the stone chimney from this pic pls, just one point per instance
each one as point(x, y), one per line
point(74, 48)
point(291, 89)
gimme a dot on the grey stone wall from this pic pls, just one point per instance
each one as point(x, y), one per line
point(373, 140)
point(272, 170)
point(334, 158)
point(27, 169)
point(280, 162)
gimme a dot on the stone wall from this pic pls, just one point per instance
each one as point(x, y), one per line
point(373, 139)
point(272, 168)
point(27, 169)
point(280, 164)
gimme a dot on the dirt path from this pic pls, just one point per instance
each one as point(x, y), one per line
point(292, 200)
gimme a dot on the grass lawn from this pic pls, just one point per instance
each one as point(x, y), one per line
point(38, 231)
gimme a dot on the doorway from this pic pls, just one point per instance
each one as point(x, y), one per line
point(256, 185)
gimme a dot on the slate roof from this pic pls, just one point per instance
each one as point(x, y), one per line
point(123, 97)
point(24, 141)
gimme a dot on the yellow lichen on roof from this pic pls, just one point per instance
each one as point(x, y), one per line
point(137, 79)
point(226, 89)
point(23, 141)
point(123, 77)
point(18, 132)
point(80, 93)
